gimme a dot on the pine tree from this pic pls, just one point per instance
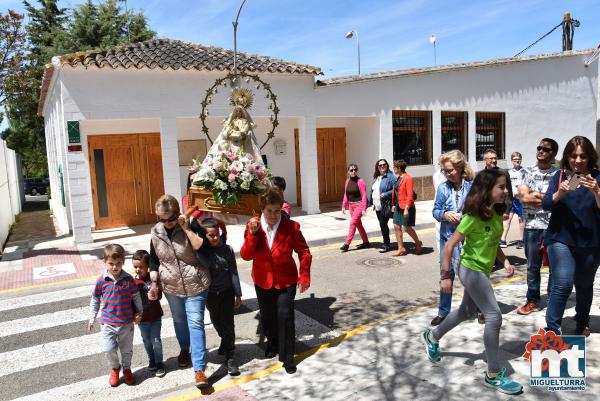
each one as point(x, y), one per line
point(12, 51)
point(51, 33)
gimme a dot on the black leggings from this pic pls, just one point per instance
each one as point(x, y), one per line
point(385, 230)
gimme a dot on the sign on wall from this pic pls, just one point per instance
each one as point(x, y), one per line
point(73, 131)
point(189, 150)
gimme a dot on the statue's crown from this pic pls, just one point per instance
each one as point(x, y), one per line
point(241, 97)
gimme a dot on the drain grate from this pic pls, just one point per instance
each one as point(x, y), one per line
point(380, 262)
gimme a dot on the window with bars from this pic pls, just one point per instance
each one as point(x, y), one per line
point(454, 131)
point(489, 133)
point(412, 136)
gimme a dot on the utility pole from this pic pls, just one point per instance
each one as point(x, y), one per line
point(568, 28)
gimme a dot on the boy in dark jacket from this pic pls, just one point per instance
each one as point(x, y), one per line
point(152, 316)
point(225, 292)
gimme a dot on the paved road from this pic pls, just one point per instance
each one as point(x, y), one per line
point(45, 353)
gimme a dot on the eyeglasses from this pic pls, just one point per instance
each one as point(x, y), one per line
point(545, 149)
point(449, 171)
point(382, 165)
point(169, 220)
point(352, 169)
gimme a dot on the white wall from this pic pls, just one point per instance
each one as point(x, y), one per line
point(9, 191)
point(554, 97)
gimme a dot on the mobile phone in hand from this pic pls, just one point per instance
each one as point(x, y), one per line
point(574, 181)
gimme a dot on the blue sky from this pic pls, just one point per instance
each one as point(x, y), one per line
point(393, 34)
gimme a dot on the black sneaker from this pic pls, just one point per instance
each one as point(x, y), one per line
point(161, 371)
point(364, 245)
point(437, 320)
point(232, 367)
point(385, 248)
point(503, 244)
point(344, 248)
point(290, 368)
point(184, 360)
point(519, 244)
point(152, 366)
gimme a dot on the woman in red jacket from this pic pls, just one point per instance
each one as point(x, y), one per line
point(355, 200)
point(269, 243)
point(403, 204)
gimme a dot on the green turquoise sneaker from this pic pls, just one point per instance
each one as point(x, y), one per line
point(432, 348)
point(503, 383)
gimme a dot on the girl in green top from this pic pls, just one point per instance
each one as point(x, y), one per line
point(480, 229)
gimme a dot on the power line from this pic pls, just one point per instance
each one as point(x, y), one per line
point(534, 43)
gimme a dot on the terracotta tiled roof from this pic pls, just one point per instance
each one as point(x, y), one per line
point(176, 54)
point(448, 67)
point(172, 54)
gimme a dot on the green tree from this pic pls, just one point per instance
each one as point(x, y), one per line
point(12, 51)
point(50, 32)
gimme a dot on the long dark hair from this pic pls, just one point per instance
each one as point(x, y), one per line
point(478, 202)
point(376, 173)
point(586, 146)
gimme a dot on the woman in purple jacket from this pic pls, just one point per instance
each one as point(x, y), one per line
point(355, 200)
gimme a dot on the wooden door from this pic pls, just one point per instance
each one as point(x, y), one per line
point(153, 183)
point(331, 159)
point(126, 174)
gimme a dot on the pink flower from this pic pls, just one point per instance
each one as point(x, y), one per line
point(217, 165)
point(231, 155)
point(260, 174)
point(231, 177)
point(250, 168)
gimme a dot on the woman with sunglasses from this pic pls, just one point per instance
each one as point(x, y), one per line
point(381, 198)
point(573, 234)
point(355, 200)
point(183, 280)
point(447, 209)
point(403, 205)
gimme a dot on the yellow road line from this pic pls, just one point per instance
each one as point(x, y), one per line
point(34, 286)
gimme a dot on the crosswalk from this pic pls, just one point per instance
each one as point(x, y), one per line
point(46, 353)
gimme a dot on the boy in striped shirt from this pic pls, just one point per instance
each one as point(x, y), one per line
point(121, 307)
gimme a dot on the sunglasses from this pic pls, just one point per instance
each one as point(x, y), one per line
point(448, 171)
point(545, 149)
point(169, 220)
point(352, 169)
point(382, 165)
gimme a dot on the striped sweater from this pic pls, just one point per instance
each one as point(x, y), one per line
point(120, 299)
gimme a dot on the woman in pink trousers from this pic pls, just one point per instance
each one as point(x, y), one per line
point(355, 200)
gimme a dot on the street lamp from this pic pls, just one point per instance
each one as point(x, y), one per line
point(432, 39)
point(349, 35)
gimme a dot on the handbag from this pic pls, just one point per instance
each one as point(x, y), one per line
point(386, 210)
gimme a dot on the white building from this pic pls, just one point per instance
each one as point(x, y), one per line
point(132, 113)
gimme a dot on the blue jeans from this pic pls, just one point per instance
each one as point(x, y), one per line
point(533, 240)
point(188, 320)
point(445, 298)
point(570, 266)
point(150, 332)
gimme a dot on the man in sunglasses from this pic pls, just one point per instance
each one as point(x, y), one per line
point(531, 191)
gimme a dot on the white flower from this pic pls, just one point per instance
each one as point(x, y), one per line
point(206, 173)
point(220, 185)
point(233, 184)
point(246, 177)
point(245, 185)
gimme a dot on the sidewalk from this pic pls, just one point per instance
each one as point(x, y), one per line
point(41, 261)
point(387, 361)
